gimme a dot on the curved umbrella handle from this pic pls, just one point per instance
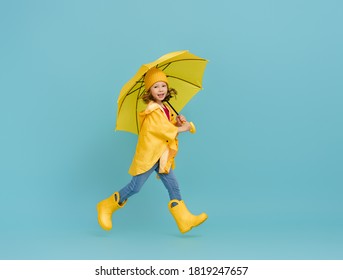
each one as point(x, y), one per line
point(193, 129)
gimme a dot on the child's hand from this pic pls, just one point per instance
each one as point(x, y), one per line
point(180, 119)
point(185, 127)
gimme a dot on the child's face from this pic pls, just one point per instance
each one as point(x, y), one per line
point(159, 91)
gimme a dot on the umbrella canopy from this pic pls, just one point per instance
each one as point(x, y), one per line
point(184, 71)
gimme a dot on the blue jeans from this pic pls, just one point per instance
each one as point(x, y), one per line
point(136, 183)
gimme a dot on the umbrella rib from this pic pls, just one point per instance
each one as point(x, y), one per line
point(158, 66)
point(174, 61)
point(140, 81)
point(188, 82)
point(133, 91)
point(138, 96)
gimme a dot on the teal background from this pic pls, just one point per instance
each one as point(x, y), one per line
point(265, 164)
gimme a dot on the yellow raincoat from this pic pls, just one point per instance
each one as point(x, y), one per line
point(156, 140)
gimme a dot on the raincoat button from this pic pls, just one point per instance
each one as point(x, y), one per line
point(167, 141)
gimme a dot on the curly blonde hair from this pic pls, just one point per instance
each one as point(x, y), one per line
point(147, 96)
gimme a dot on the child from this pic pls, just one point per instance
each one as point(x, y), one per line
point(156, 148)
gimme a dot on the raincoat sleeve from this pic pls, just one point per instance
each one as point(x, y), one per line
point(161, 128)
point(154, 122)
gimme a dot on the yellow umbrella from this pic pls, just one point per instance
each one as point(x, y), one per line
point(184, 71)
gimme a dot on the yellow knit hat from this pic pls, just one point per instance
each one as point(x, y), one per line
point(154, 75)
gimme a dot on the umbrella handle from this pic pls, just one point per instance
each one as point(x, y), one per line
point(193, 129)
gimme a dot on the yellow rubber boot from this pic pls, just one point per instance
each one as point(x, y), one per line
point(183, 218)
point(106, 208)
